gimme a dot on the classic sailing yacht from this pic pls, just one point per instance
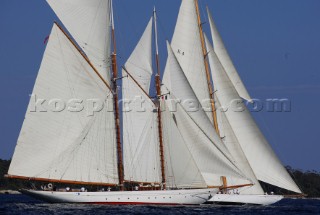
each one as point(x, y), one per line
point(238, 131)
point(75, 137)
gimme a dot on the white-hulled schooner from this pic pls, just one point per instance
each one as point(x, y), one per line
point(165, 158)
point(170, 154)
point(239, 133)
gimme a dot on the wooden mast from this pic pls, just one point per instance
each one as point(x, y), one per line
point(116, 103)
point(214, 113)
point(158, 88)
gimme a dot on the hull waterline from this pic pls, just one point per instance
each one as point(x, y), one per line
point(235, 199)
point(164, 197)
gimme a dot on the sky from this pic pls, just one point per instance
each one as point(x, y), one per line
point(274, 44)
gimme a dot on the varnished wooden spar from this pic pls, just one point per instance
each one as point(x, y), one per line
point(214, 111)
point(83, 55)
point(59, 181)
point(158, 89)
point(116, 105)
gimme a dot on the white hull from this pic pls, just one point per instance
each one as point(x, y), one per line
point(163, 197)
point(245, 199)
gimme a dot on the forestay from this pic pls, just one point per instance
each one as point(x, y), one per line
point(66, 139)
point(264, 162)
point(89, 24)
point(226, 61)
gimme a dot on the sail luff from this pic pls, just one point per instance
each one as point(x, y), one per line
point(116, 103)
point(158, 89)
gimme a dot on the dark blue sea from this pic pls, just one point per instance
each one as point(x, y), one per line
point(20, 204)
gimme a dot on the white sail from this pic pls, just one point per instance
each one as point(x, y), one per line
point(181, 171)
point(139, 63)
point(264, 162)
point(71, 143)
point(226, 61)
point(186, 44)
point(140, 129)
point(89, 24)
point(140, 135)
point(231, 141)
point(210, 155)
point(179, 86)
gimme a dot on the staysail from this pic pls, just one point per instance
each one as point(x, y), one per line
point(231, 141)
point(210, 155)
point(226, 61)
point(264, 162)
point(181, 171)
point(70, 137)
point(140, 129)
point(89, 24)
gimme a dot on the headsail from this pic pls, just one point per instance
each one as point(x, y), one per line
point(226, 61)
point(61, 140)
point(231, 141)
point(89, 24)
point(181, 171)
point(210, 155)
point(264, 162)
point(140, 130)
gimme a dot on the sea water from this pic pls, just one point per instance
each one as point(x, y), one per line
point(21, 204)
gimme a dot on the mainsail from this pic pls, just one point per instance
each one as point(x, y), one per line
point(264, 162)
point(226, 61)
point(186, 44)
point(89, 24)
point(65, 140)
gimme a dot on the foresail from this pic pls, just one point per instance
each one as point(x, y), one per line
point(140, 134)
point(264, 162)
point(181, 171)
point(68, 133)
point(180, 87)
point(231, 141)
point(226, 61)
point(89, 24)
point(210, 155)
point(186, 44)
point(139, 63)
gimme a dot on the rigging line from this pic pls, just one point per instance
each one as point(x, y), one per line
point(83, 55)
point(138, 84)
